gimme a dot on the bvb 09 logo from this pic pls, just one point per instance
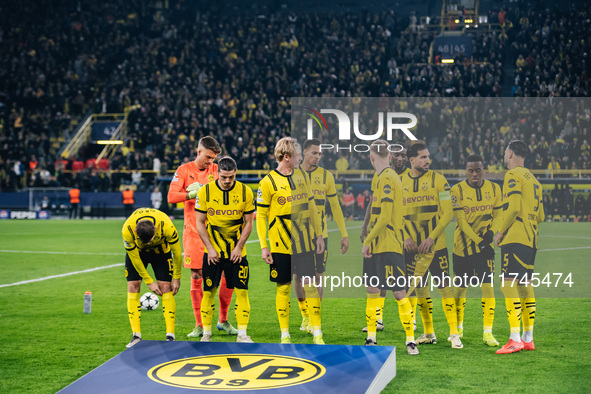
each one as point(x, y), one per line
point(231, 372)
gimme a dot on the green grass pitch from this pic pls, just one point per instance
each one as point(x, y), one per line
point(47, 342)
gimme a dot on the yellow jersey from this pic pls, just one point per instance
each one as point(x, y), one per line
point(286, 202)
point(386, 214)
point(324, 189)
point(427, 208)
point(374, 184)
point(477, 210)
point(225, 210)
point(522, 208)
point(165, 239)
point(403, 173)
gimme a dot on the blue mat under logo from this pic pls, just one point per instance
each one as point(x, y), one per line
point(175, 367)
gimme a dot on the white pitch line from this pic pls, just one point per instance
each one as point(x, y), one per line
point(83, 253)
point(54, 252)
point(563, 236)
point(562, 249)
point(61, 275)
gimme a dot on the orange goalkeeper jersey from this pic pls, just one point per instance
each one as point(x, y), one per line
point(185, 175)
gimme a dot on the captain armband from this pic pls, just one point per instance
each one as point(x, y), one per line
point(444, 195)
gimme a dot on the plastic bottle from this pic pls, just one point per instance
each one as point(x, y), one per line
point(87, 302)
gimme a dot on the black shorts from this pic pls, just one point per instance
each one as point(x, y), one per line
point(517, 261)
point(421, 264)
point(285, 265)
point(386, 267)
point(478, 265)
point(236, 274)
point(161, 264)
point(322, 258)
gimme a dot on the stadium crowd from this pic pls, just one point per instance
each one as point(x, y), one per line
point(188, 73)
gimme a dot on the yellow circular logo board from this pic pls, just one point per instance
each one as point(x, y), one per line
point(236, 372)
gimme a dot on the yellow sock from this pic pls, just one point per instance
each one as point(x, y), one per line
point(460, 298)
point(488, 306)
point(528, 306)
point(282, 306)
point(405, 313)
point(134, 311)
point(425, 309)
point(380, 308)
point(208, 308)
point(449, 308)
point(303, 308)
point(242, 309)
point(413, 306)
point(313, 299)
point(373, 300)
point(169, 311)
point(513, 304)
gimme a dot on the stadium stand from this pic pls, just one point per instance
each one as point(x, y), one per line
point(188, 70)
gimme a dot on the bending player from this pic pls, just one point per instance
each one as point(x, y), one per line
point(228, 207)
point(149, 237)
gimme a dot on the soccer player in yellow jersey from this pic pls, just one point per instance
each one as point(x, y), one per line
point(518, 238)
point(324, 189)
point(382, 249)
point(285, 206)
point(477, 205)
point(150, 237)
point(428, 210)
point(398, 162)
point(225, 213)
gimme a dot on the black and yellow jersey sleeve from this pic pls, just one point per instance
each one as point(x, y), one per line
point(374, 185)
point(324, 189)
point(522, 208)
point(225, 210)
point(274, 209)
point(305, 220)
point(386, 214)
point(477, 210)
point(165, 239)
point(427, 208)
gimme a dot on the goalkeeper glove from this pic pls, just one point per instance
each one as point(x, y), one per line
point(484, 245)
point(193, 189)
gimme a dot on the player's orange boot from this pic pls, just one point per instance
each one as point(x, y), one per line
point(528, 345)
point(511, 347)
